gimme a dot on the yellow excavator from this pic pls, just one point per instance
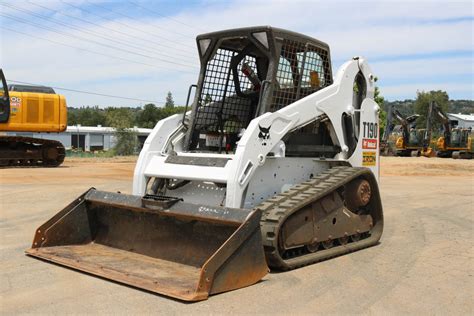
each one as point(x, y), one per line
point(25, 108)
point(403, 140)
point(455, 142)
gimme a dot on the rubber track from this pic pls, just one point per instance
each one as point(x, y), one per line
point(22, 162)
point(278, 208)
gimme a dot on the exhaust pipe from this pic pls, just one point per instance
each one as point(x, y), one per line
point(160, 244)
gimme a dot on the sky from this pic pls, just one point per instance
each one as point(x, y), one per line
point(141, 49)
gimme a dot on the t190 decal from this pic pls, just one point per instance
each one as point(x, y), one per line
point(370, 130)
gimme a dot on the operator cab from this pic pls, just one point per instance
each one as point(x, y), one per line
point(459, 137)
point(247, 72)
point(4, 99)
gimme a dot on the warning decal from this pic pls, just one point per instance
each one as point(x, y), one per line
point(368, 158)
point(15, 101)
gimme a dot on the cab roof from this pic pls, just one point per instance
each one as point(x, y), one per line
point(273, 32)
point(29, 88)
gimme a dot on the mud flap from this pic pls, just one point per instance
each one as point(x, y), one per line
point(177, 249)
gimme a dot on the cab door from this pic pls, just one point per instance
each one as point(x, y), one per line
point(4, 100)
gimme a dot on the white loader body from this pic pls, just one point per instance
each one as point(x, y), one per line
point(251, 175)
point(265, 171)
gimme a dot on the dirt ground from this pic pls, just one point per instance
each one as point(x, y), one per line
point(424, 263)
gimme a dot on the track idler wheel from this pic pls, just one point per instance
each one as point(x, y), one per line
point(50, 154)
point(358, 193)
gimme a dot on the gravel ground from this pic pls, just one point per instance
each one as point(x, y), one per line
point(424, 263)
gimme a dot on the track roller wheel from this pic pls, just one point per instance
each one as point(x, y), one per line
point(343, 240)
point(355, 237)
point(313, 247)
point(328, 244)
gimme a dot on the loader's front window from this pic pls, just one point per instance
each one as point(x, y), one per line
point(229, 96)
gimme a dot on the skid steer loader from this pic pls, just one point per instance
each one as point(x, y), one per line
point(276, 164)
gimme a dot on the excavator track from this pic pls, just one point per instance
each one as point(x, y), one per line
point(304, 197)
point(18, 151)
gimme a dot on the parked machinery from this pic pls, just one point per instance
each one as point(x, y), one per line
point(403, 139)
point(276, 164)
point(27, 108)
point(455, 142)
point(386, 143)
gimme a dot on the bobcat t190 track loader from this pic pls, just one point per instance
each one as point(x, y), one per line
point(276, 164)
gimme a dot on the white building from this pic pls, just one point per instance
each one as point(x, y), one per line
point(461, 120)
point(87, 138)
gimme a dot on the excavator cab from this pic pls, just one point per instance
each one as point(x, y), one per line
point(4, 100)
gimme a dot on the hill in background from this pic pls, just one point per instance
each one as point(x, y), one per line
point(407, 107)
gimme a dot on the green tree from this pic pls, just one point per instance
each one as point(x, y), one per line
point(148, 116)
point(207, 99)
point(86, 116)
point(126, 139)
point(165, 112)
point(72, 116)
point(379, 99)
point(422, 104)
point(169, 100)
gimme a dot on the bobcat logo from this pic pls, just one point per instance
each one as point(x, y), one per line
point(264, 134)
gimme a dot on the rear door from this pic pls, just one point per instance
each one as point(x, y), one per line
point(4, 100)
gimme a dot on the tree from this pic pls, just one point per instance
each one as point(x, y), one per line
point(72, 116)
point(207, 99)
point(422, 104)
point(169, 100)
point(379, 99)
point(148, 116)
point(126, 139)
point(92, 116)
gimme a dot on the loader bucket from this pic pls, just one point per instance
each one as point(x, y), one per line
point(156, 243)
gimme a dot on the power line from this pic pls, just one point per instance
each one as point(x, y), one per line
point(32, 13)
point(91, 41)
point(148, 41)
point(127, 25)
point(129, 17)
point(94, 52)
point(164, 16)
point(89, 92)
